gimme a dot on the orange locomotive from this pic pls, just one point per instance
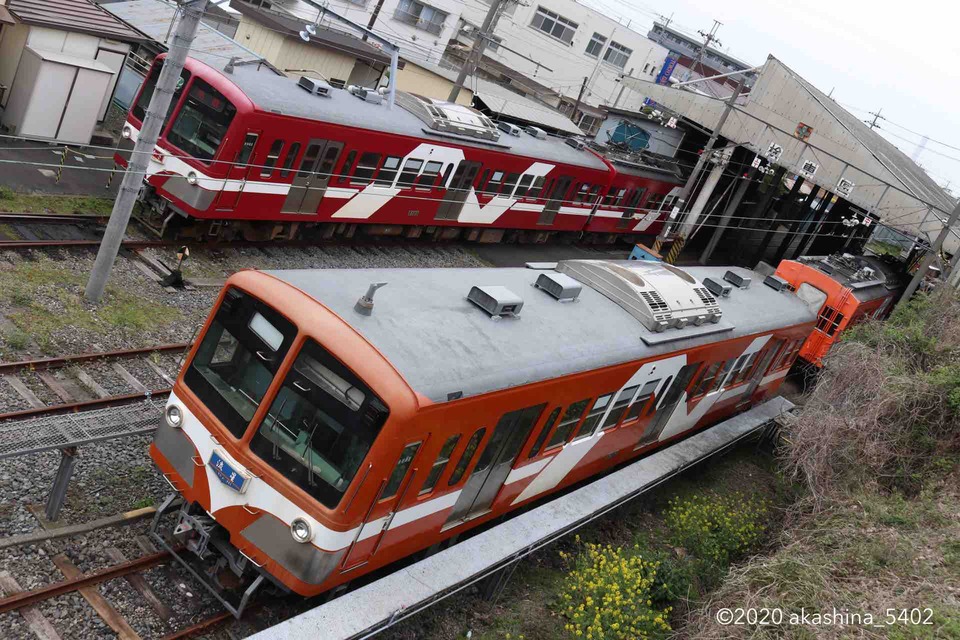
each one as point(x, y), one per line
point(315, 435)
point(843, 290)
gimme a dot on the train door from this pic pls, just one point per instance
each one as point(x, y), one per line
point(667, 403)
point(391, 495)
point(495, 463)
point(236, 181)
point(759, 370)
point(555, 199)
point(312, 177)
point(457, 192)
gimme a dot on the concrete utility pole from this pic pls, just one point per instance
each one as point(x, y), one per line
point(143, 150)
point(695, 174)
point(476, 51)
point(928, 259)
point(373, 18)
point(873, 124)
point(708, 39)
point(576, 106)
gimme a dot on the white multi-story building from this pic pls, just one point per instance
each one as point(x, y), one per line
point(568, 42)
point(421, 29)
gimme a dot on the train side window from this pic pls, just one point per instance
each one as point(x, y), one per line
point(835, 324)
point(594, 192)
point(388, 171)
point(482, 180)
point(428, 178)
point(544, 432)
point(445, 180)
point(824, 320)
point(774, 348)
point(610, 197)
point(737, 368)
point(466, 456)
point(366, 167)
point(523, 186)
point(411, 168)
point(582, 192)
point(706, 382)
point(509, 184)
point(589, 425)
point(744, 371)
point(272, 156)
point(536, 188)
point(309, 160)
point(646, 393)
point(568, 422)
point(400, 471)
point(493, 186)
point(443, 458)
point(721, 377)
point(619, 408)
point(246, 151)
point(347, 166)
point(291, 157)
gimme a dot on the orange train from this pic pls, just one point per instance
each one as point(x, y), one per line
point(843, 290)
point(323, 427)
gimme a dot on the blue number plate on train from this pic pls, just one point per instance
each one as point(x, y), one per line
point(228, 475)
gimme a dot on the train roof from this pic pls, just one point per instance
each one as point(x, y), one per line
point(445, 346)
point(869, 278)
point(283, 95)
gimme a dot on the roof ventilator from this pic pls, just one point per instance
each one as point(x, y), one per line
point(367, 95)
point(737, 280)
point(497, 301)
point(537, 133)
point(364, 305)
point(314, 86)
point(448, 117)
point(560, 286)
point(776, 282)
point(717, 288)
point(659, 295)
point(510, 129)
point(576, 144)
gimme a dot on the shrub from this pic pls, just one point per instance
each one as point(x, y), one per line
point(716, 529)
point(6, 193)
point(608, 595)
point(886, 408)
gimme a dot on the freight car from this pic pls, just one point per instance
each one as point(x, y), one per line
point(330, 422)
point(251, 154)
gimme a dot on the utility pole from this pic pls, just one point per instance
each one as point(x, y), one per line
point(476, 51)
point(193, 10)
point(622, 86)
point(708, 39)
point(373, 17)
point(573, 114)
point(928, 259)
point(873, 124)
point(695, 174)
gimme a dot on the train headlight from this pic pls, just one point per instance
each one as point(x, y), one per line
point(174, 416)
point(300, 530)
point(192, 178)
point(127, 131)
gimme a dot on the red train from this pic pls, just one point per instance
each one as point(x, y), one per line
point(255, 155)
point(318, 432)
point(843, 290)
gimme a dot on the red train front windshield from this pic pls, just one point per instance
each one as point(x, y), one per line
point(200, 121)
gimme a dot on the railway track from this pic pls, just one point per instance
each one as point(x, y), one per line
point(86, 381)
point(85, 583)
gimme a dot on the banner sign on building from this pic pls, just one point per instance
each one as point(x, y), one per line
point(669, 64)
point(774, 151)
point(808, 168)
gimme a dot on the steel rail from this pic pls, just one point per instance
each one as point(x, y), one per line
point(75, 407)
point(43, 218)
point(27, 598)
point(199, 627)
point(62, 361)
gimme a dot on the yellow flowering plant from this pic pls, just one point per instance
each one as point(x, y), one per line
point(716, 529)
point(607, 595)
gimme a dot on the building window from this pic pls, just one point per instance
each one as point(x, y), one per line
point(596, 45)
point(554, 25)
point(420, 15)
point(617, 54)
